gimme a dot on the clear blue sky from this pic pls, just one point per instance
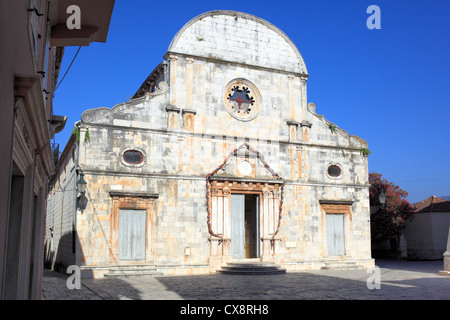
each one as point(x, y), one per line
point(390, 87)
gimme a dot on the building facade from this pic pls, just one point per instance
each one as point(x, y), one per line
point(218, 157)
point(426, 236)
point(33, 34)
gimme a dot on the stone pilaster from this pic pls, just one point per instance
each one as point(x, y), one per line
point(446, 271)
point(293, 130)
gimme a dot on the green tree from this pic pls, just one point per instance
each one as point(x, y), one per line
point(389, 221)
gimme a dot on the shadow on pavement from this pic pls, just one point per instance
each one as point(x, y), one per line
point(54, 287)
point(414, 281)
point(426, 266)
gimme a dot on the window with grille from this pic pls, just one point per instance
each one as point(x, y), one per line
point(133, 157)
point(334, 171)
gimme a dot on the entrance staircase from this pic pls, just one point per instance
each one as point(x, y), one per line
point(128, 271)
point(252, 267)
point(340, 264)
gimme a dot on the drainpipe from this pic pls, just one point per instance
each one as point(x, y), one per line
point(74, 220)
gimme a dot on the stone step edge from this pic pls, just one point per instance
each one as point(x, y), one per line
point(251, 267)
point(252, 262)
point(128, 271)
point(348, 265)
point(131, 268)
point(129, 275)
point(253, 272)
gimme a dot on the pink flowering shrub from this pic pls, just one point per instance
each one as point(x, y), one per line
point(389, 221)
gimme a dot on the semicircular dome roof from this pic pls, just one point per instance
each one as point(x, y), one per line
point(238, 37)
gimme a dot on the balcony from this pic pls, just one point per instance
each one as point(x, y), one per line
point(95, 17)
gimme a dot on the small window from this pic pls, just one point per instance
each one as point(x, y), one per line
point(334, 171)
point(133, 157)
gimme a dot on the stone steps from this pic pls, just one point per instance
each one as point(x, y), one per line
point(341, 265)
point(128, 271)
point(252, 268)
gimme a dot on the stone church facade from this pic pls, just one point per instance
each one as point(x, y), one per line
point(218, 157)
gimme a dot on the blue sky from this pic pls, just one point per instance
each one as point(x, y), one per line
point(390, 86)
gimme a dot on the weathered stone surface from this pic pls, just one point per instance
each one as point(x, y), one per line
point(185, 132)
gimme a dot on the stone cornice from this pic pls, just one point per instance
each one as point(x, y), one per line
point(28, 88)
point(103, 115)
point(133, 194)
point(165, 176)
point(312, 109)
point(337, 202)
point(151, 79)
point(220, 136)
point(228, 62)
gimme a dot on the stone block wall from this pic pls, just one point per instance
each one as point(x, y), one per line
point(240, 38)
point(184, 132)
point(61, 210)
point(175, 168)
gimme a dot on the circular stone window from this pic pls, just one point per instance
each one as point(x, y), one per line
point(334, 171)
point(242, 100)
point(133, 158)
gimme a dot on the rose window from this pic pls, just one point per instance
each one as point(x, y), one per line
point(242, 100)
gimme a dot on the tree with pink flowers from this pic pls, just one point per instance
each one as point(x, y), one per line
point(390, 219)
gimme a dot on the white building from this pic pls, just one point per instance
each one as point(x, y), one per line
point(218, 157)
point(427, 234)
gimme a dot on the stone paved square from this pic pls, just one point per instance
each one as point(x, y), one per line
point(400, 280)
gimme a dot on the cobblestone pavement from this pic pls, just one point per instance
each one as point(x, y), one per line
point(400, 280)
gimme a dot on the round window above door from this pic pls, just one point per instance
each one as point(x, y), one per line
point(242, 100)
